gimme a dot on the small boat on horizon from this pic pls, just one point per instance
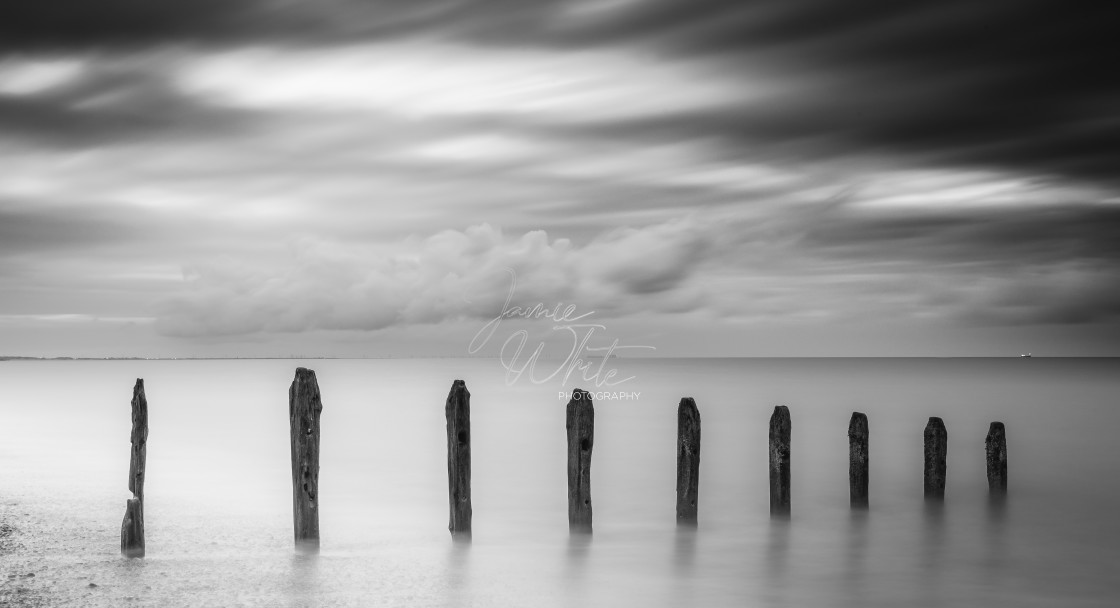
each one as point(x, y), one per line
point(1026, 356)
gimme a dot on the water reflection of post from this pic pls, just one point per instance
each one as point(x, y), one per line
point(684, 549)
point(684, 567)
point(458, 571)
point(932, 552)
point(575, 569)
point(132, 570)
point(995, 545)
point(855, 557)
point(303, 582)
point(579, 545)
point(777, 561)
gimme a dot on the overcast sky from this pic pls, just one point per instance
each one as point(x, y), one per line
point(347, 178)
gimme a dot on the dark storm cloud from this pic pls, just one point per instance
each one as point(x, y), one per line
point(586, 130)
point(35, 230)
point(1012, 84)
point(1076, 296)
point(1020, 85)
point(132, 24)
point(1012, 237)
point(104, 102)
point(78, 24)
point(1055, 264)
point(95, 230)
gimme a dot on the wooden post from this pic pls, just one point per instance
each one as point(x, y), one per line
point(996, 447)
point(936, 439)
point(858, 475)
point(304, 409)
point(132, 528)
point(779, 461)
point(580, 425)
point(458, 413)
point(688, 461)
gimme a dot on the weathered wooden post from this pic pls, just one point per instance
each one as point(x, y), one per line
point(858, 475)
point(936, 440)
point(580, 425)
point(304, 409)
point(458, 413)
point(779, 461)
point(688, 461)
point(132, 528)
point(996, 447)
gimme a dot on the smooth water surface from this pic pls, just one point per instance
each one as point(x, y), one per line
point(218, 494)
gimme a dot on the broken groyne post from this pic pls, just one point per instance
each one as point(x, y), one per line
point(936, 439)
point(304, 409)
point(779, 461)
point(132, 528)
point(858, 474)
point(995, 445)
point(580, 424)
point(688, 461)
point(458, 413)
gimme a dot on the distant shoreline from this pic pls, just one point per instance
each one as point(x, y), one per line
point(586, 358)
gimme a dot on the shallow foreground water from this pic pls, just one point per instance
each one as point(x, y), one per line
point(218, 494)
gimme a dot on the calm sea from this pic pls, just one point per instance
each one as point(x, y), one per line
point(218, 494)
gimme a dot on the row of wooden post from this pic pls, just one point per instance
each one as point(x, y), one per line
point(305, 407)
point(580, 424)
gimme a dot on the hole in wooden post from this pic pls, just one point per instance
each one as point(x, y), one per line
point(584, 445)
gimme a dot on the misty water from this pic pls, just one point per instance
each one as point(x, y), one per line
point(218, 494)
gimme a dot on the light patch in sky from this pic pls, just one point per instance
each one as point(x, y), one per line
point(414, 81)
point(74, 318)
point(587, 10)
point(962, 189)
point(681, 164)
point(32, 76)
point(478, 149)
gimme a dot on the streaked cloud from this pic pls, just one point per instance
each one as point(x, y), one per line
point(244, 170)
point(418, 81)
